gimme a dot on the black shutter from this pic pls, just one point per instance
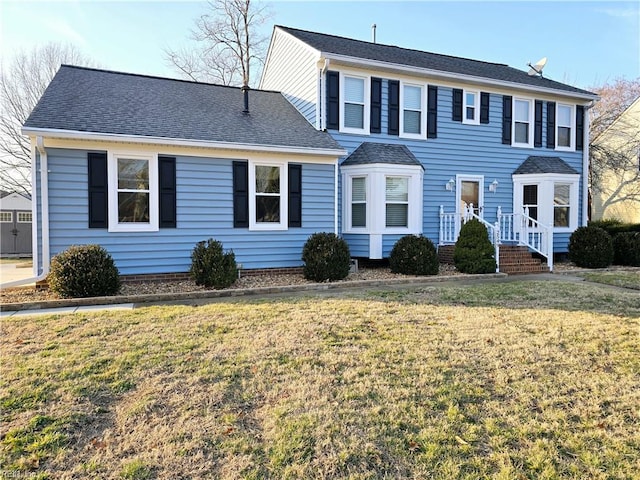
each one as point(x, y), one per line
point(295, 195)
point(432, 111)
point(457, 105)
point(484, 107)
point(537, 129)
point(376, 105)
point(98, 190)
point(167, 191)
point(394, 108)
point(579, 127)
point(506, 119)
point(240, 194)
point(333, 100)
point(551, 125)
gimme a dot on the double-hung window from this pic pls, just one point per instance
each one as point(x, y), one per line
point(564, 127)
point(355, 115)
point(267, 196)
point(561, 204)
point(397, 202)
point(471, 111)
point(358, 202)
point(412, 118)
point(522, 122)
point(133, 192)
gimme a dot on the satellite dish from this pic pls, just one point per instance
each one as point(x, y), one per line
point(537, 68)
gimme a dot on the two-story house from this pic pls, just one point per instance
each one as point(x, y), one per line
point(434, 139)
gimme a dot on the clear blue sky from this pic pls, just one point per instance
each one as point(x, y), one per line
point(587, 43)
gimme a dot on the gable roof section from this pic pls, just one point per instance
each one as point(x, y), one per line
point(537, 165)
point(330, 44)
point(105, 102)
point(369, 153)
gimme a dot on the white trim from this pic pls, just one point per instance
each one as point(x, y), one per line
point(585, 168)
point(366, 79)
point(112, 185)
point(115, 137)
point(531, 122)
point(476, 107)
point(462, 177)
point(283, 224)
point(572, 127)
point(423, 111)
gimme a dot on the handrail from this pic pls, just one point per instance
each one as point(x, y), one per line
point(527, 231)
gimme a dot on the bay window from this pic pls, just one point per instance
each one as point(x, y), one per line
point(358, 202)
point(397, 202)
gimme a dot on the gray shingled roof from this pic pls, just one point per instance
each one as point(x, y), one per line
point(368, 153)
point(416, 58)
point(544, 165)
point(90, 100)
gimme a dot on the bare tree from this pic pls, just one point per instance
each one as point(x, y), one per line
point(22, 83)
point(614, 174)
point(229, 44)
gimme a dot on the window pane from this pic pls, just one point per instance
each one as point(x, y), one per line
point(397, 189)
point(6, 217)
point(561, 217)
point(412, 97)
point(24, 217)
point(358, 189)
point(471, 99)
point(564, 137)
point(267, 209)
point(564, 115)
point(133, 207)
point(354, 89)
point(561, 194)
point(411, 122)
point(533, 212)
point(359, 215)
point(470, 193)
point(530, 195)
point(397, 215)
point(353, 115)
point(521, 113)
point(522, 133)
point(267, 179)
point(133, 174)
point(471, 113)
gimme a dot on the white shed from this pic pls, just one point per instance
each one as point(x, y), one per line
point(15, 224)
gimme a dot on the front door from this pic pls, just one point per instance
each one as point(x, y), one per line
point(470, 192)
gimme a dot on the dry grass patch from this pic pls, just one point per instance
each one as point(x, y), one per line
point(525, 380)
point(629, 279)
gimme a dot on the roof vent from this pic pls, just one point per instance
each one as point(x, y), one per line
point(245, 93)
point(373, 33)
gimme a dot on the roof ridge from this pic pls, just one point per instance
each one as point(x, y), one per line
point(393, 46)
point(157, 77)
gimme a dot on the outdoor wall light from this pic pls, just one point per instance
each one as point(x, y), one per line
point(450, 185)
point(493, 186)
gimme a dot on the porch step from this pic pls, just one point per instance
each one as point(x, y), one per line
point(518, 260)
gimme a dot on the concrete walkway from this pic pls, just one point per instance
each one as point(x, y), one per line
point(63, 310)
point(10, 272)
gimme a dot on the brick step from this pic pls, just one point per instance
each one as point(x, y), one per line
point(513, 270)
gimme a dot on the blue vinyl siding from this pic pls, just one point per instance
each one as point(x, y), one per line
point(204, 210)
point(388, 241)
point(462, 149)
point(358, 244)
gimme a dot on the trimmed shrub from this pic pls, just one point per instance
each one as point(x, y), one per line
point(614, 226)
point(211, 266)
point(474, 252)
point(84, 271)
point(591, 247)
point(414, 255)
point(326, 257)
point(626, 249)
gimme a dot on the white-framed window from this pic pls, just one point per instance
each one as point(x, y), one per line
point(412, 116)
point(471, 107)
point(522, 133)
point(6, 217)
point(382, 199)
point(355, 96)
point(268, 195)
point(133, 192)
point(358, 202)
point(565, 127)
point(396, 202)
point(25, 217)
point(552, 199)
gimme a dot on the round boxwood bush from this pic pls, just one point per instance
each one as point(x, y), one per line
point(211, 266)
point(84, 271)
point(591, 247)
point(414, 255)
point(326, 257)
point(626, 249)
point(474, 252)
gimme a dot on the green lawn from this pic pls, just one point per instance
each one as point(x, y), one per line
point(527, 380)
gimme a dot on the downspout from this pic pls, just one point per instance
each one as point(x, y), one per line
point(44, 199)
point(585, 165)
point(323, 123)
point(335, 198)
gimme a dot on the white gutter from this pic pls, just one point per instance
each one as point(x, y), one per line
point(322, 118)
point(44, 200)
point(452, 76)
point(116, 137)
point(335, 199)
